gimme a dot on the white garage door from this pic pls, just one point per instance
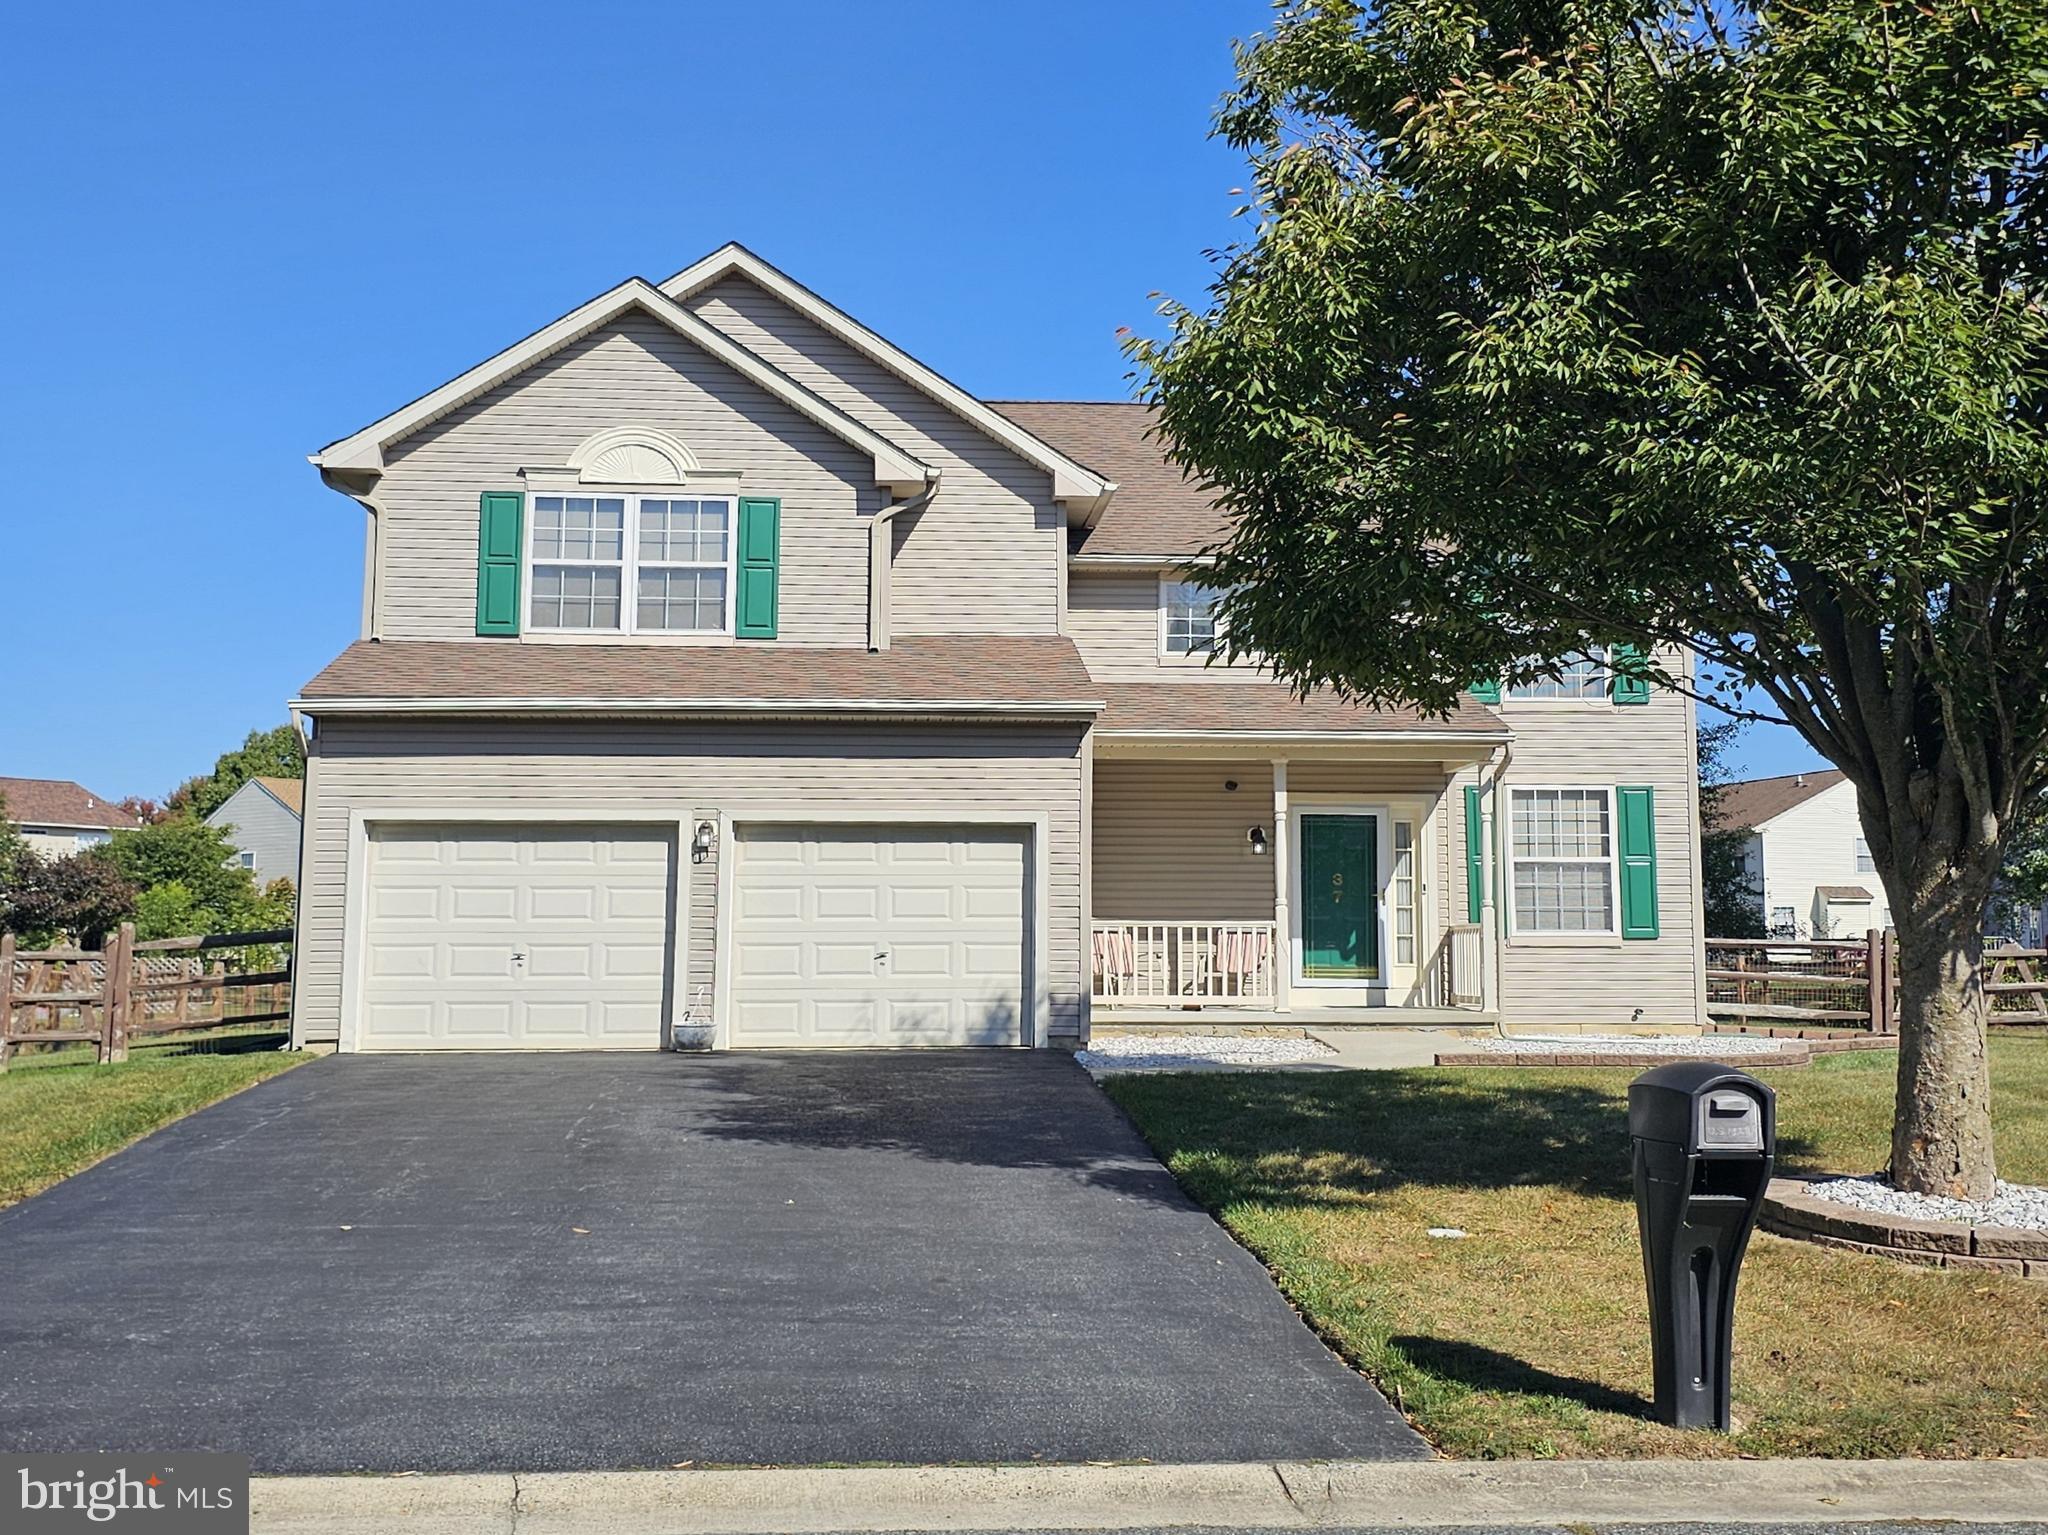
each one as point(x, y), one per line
point(880, 935)
point(511, 938)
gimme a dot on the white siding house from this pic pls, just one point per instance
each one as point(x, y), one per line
point(1811, 873)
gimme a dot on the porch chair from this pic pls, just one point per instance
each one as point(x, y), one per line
point(1239, 956)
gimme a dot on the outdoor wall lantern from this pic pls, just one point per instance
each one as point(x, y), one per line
point(1257, 838)
point(702, 843)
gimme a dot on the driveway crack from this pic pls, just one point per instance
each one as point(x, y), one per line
point(512, 1513)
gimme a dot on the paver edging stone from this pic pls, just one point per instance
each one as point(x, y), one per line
point(1789, 1211)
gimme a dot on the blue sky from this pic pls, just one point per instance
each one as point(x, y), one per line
point(236, 232)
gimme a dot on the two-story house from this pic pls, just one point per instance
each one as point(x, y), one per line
point(718, 657)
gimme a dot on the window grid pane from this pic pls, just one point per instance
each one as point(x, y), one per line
point(682, 600)
point(1583, 677)
point(576, 597)
point(684, 532)
point(1564, 872)
point(1404, 893)
point(1190, 620)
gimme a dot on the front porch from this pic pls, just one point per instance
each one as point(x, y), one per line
point(1300, 889)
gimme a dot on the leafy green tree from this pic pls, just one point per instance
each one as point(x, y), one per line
point(275, 753)
point(1732, 904)
point(214, 894)
point(1712, 330)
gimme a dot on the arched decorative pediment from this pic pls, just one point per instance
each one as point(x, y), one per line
point(633, 455)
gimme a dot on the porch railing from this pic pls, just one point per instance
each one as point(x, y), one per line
point(1167, 963)
point(1464, 966)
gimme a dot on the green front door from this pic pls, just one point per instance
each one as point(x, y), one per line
point(1340, 928)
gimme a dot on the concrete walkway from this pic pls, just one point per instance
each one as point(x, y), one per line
point(1251, 1496)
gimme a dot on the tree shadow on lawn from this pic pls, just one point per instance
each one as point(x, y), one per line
point(1291, 1139)
point(1486, 1369)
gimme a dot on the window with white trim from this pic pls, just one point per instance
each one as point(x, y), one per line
point(1561, 859)
point(1583, 676)
point(1865, 864)
point(1784, 922)
point(1403, 882)
point(629, 564)
point(1188, 618)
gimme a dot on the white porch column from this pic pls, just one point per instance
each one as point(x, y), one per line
point(1283, 954)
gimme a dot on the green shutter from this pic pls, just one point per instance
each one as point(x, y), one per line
point(1629, 686)
point(1635, 814)
point(1487, 692)
point(1475, 856)
point(497, 561)
point(760, 545)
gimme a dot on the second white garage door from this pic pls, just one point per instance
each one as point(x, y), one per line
point(880, 935)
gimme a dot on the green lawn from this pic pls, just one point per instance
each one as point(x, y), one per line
point(60, 1112)
point(1529, 1337)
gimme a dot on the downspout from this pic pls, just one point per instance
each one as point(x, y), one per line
point(880, 563)
point(1497, 889)
point(373, 546)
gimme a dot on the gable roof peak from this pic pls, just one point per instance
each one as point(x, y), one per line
point(1085, 491)
point(362, 452)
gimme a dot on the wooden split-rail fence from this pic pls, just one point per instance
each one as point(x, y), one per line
point(134, 989)
point(1851, 983)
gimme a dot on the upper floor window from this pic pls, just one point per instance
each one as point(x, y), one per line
point(1581, 677)
point(630, 564)
point(1187, 617)
point(1865, 864)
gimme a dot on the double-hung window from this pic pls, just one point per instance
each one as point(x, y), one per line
point(1865, 864)
point(1187, 618)
point(630, 564)
point(1561, 854)
point(1581, 677)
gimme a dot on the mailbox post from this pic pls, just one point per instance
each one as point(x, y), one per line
point(1705, 1138)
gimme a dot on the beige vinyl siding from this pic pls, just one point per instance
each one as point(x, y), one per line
point(742, 770)
point(986, 556)
point(1113, 620)
point(1605, 982)
point(1170, 841)
point(634, 372)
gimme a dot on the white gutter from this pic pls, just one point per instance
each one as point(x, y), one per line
point(738, 706)
point(1415, 737)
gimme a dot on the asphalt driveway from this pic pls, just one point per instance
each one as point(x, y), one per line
point(580, 1261)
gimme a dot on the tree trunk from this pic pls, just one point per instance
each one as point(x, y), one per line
point(1941, 1131)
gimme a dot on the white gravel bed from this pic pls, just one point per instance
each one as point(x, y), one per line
point(2014, 1204)
point(1716, 1047)
point(1135, 1051)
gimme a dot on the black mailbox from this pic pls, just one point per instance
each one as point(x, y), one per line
point(1705, 1138)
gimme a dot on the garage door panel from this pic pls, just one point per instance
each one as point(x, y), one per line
point(874, 936)
point(482, 937)
point(910, 903)
point(848, 903)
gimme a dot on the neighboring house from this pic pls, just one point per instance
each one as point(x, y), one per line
point(262, 822)
point(1810, 870)
point(719, 657)
point(58, 817)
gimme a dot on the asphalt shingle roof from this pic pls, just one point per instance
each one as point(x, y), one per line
point(1156, 509)
point(925, 669)
point(60, 802)
point(1757, 800)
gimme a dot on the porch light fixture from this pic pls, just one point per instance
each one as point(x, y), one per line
point(1257, 838)
point(701, 844)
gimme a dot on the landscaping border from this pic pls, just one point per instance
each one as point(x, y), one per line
point(1789, 1211)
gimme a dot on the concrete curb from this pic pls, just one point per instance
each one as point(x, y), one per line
point(1256, 1496)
